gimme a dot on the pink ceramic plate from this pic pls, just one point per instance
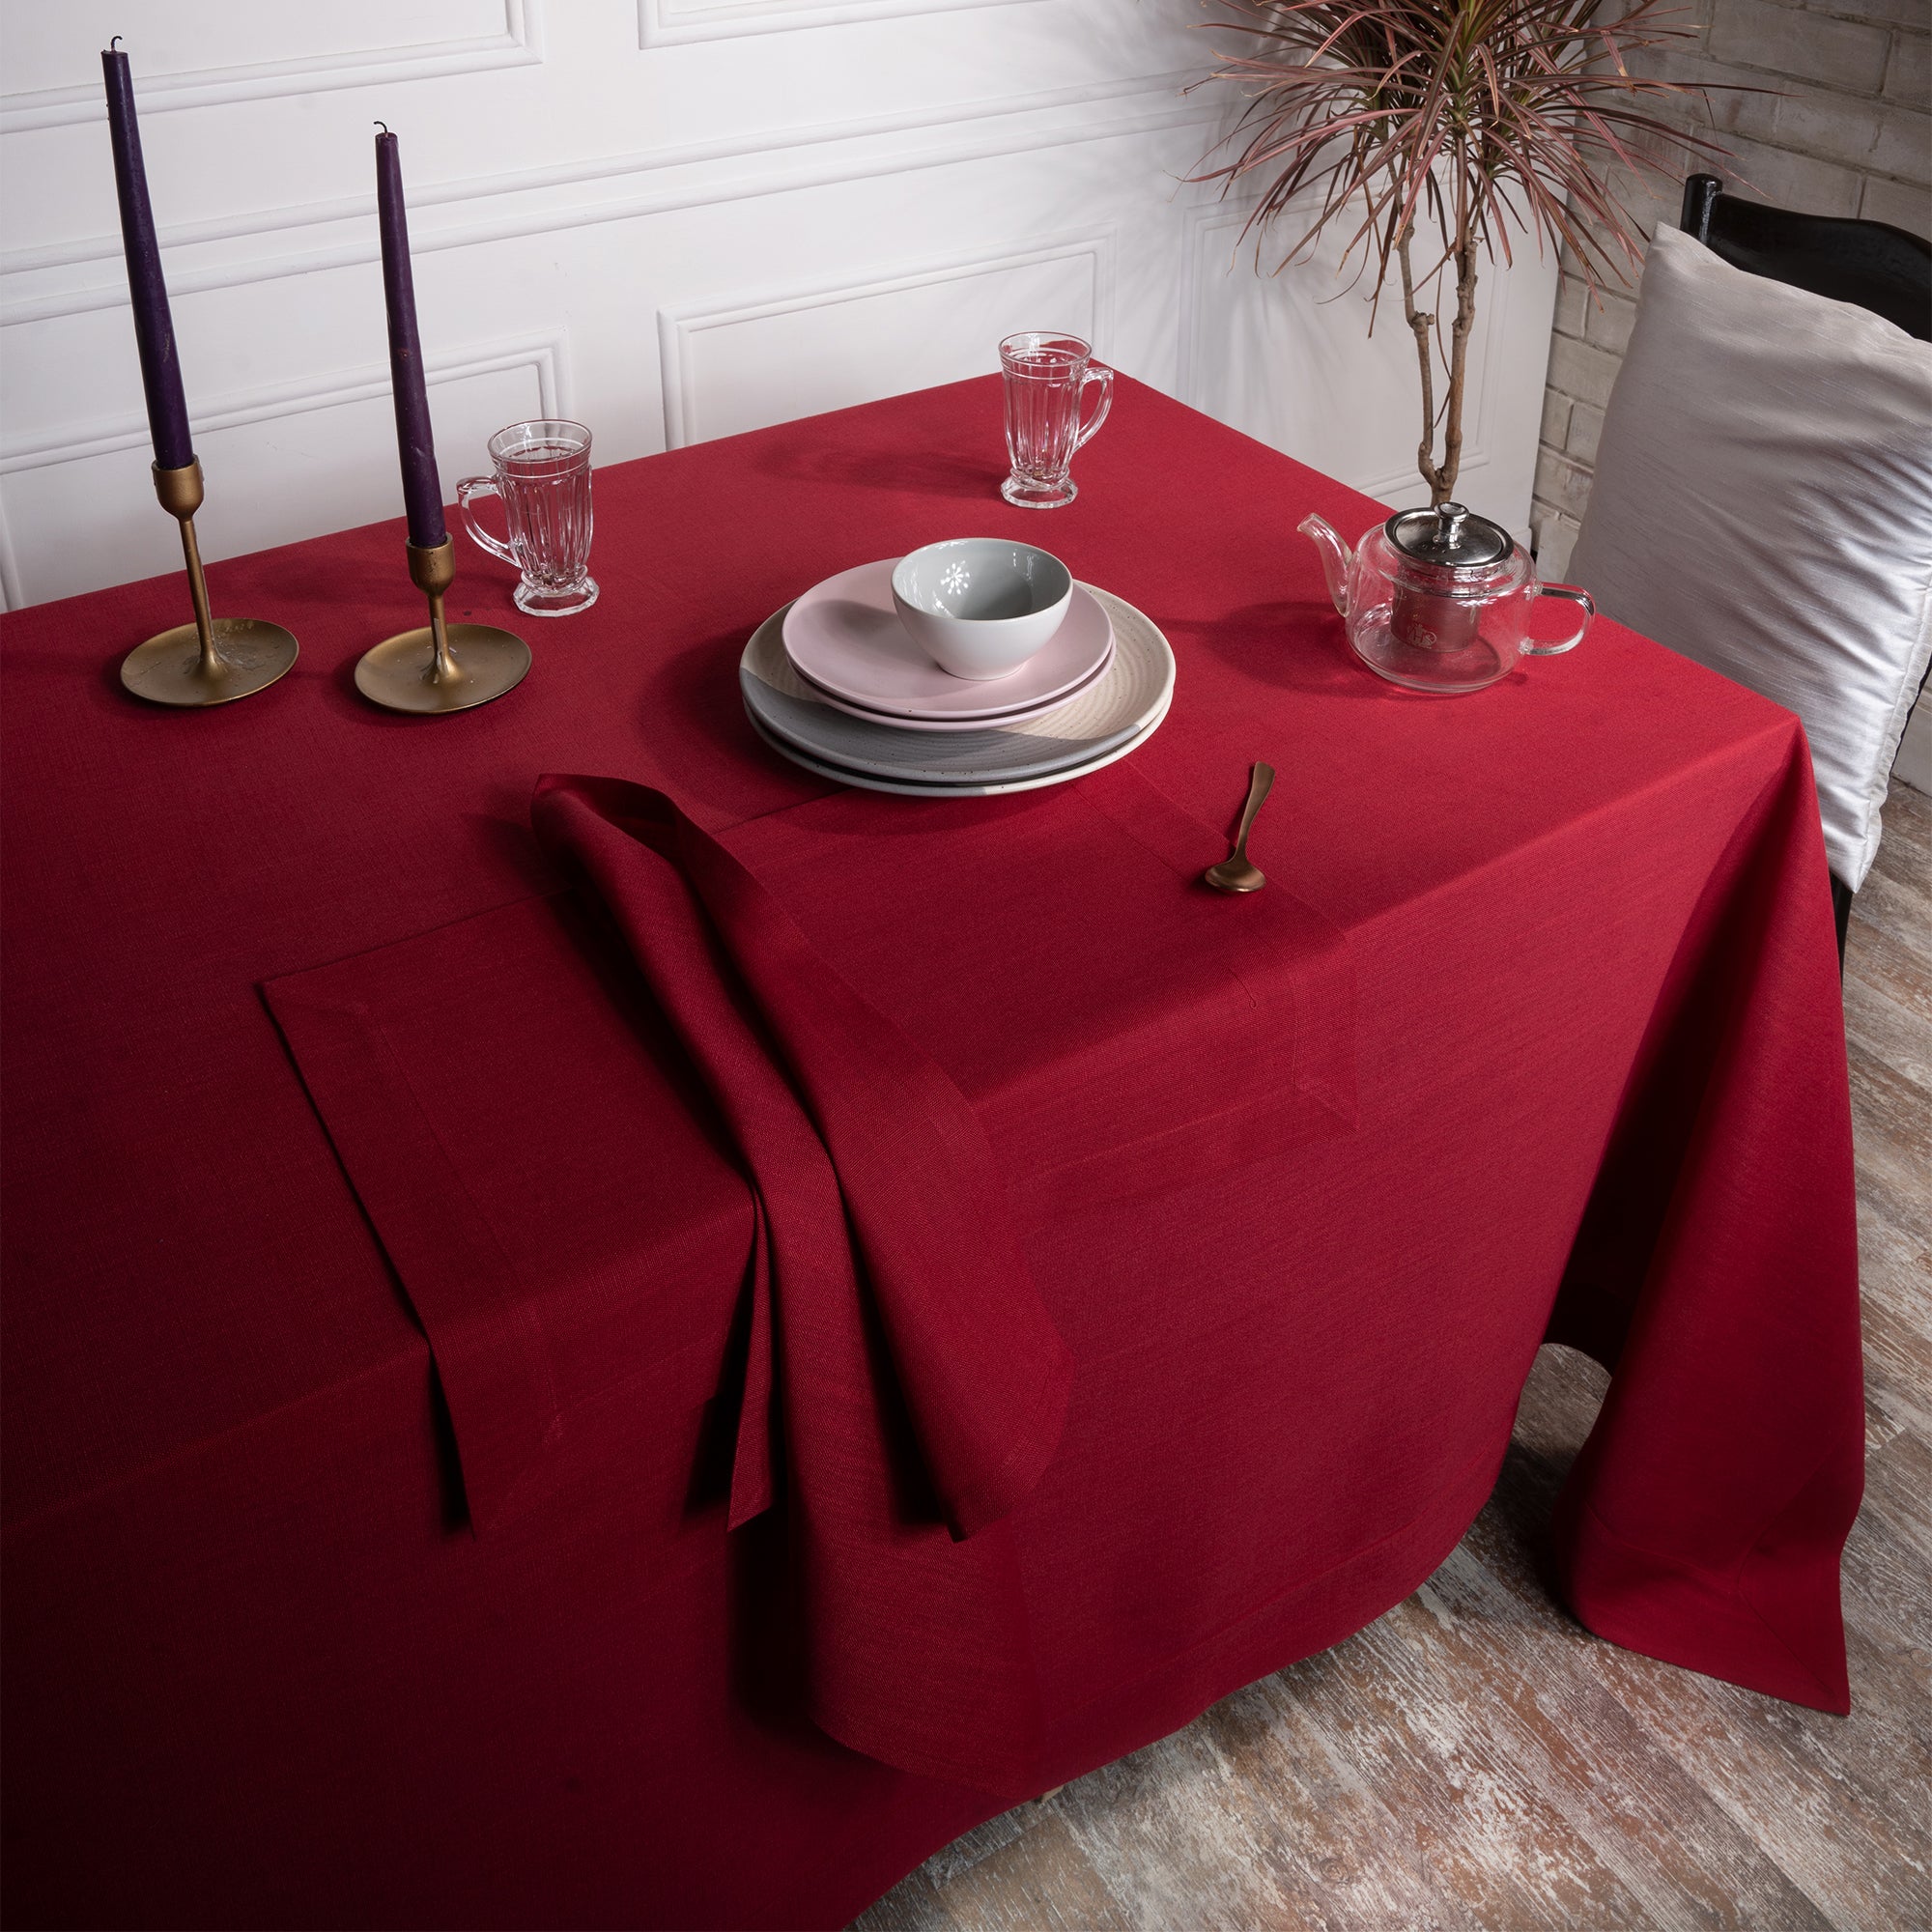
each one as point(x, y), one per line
point(845, 637)
point(994, 720)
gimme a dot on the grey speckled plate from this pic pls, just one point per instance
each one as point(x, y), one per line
point(1098, 721)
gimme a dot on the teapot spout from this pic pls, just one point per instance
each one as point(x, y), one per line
point(1336, 557)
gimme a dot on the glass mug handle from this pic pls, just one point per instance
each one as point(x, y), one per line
point(482, 486)
point(1105, 377)
point(1576, 637)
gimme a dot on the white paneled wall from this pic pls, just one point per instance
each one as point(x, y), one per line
point(672, 219)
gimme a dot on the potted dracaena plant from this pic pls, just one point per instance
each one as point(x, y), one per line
point(1438, 126)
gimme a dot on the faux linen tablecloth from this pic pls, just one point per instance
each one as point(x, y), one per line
point(259, 1667)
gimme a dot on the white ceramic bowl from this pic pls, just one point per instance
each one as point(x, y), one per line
point(980, 607)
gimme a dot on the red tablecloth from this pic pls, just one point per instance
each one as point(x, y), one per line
point(260, 1670)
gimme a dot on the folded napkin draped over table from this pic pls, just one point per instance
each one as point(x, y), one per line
point(904, 1085)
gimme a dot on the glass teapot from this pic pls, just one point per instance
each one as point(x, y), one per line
point(1439, 599)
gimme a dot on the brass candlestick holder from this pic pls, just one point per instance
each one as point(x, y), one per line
point(420, 670)
point(215, 659)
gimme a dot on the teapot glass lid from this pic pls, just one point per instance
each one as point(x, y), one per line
point(1448, 536)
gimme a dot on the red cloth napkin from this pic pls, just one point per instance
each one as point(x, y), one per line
point(839, 1117)
point(542, 1169)
point(866, 1126)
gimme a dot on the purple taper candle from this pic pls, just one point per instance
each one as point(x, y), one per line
point(422, 494)
point(154, 327)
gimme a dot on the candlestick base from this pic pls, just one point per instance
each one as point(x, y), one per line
point(215, 659)
point(171, 669)
point(441, 667)
point(400, 673)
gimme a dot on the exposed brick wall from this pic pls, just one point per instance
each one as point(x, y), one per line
point(1846, 130)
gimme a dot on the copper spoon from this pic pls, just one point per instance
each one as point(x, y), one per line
point(1237, 872)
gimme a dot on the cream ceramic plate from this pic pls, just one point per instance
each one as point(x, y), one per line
point(913, 788)
point(844, 635)
point(1129, 695)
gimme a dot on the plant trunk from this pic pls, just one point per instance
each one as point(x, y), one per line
point(1459, 360)
point(1420, 325)
point(1441, 476)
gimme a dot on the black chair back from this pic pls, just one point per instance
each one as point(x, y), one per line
point(1869, 264)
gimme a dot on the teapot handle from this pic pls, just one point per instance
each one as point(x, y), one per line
point(1532, 649)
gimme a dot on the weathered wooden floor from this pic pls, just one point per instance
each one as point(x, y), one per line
point(1476, 1760)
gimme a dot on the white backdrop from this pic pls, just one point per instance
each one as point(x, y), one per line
point(673, 219)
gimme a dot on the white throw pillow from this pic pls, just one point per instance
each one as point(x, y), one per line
point(1763, 503)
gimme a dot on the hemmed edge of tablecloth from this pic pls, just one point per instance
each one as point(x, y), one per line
point(1619, 1590)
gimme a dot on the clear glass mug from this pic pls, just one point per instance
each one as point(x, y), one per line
point(1047, 377)
point(543, 475)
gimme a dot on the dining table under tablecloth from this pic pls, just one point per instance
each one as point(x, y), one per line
point(385, 1360)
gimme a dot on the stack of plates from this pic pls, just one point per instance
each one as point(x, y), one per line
point(835, 683)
